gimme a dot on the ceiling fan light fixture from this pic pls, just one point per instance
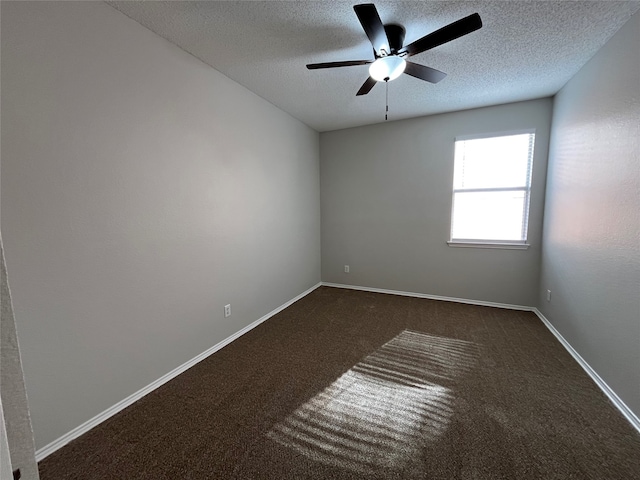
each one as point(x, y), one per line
point(387, 68)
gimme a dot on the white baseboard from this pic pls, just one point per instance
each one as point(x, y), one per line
point(432, 297)
point(608, 391)
point(121, 405)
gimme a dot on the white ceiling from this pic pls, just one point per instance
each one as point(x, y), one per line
point(525, 50)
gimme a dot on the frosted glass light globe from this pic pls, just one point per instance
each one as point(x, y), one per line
point(387, 68)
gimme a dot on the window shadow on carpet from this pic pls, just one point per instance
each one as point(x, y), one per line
point(378, 414)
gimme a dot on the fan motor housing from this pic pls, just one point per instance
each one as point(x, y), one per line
point(395, 35)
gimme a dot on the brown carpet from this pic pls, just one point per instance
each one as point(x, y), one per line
point(355, 385)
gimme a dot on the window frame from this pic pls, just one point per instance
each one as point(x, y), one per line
point(490, 243)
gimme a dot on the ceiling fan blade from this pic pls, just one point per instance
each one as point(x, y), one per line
point(366, 86)
point(422, 72)
point(348, 63)
point(373, 27)
point(452, 31)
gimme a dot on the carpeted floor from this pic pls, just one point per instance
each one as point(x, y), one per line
point(355, 385)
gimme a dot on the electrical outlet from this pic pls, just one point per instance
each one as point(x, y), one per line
point(227, 310)
point(346, 269)
point(548, 295)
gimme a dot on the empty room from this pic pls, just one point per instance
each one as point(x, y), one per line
point(320, 240)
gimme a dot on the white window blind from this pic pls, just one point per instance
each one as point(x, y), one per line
point(491, 189)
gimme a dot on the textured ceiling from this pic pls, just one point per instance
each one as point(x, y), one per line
point(525, 50)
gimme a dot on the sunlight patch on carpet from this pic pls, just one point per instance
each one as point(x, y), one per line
point(379, 413)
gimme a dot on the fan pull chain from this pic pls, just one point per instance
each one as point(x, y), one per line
point(386, 113)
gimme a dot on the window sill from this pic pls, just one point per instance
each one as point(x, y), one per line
point(504, 246)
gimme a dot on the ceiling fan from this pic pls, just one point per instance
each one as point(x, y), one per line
point(390, 54)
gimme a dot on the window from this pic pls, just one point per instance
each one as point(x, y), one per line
point(491, 189)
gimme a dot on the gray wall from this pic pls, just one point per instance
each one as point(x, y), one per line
point(591, 257)
point(141, 192)
point(386, 207)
